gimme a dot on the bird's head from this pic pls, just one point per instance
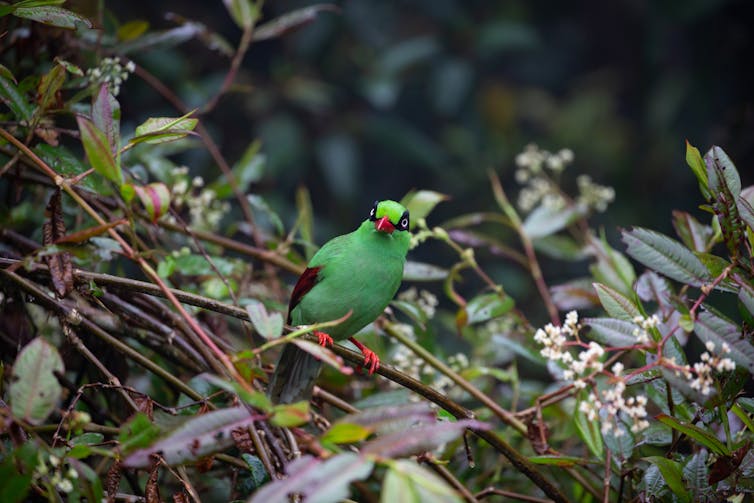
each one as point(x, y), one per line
point(389, 216)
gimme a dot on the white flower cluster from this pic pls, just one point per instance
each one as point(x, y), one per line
point(594, 195)
point(54, 468)
point(205, 210)
point(616, 407)
point(556, 341)
point(641, 332)
point(704, 369)
point(426, 301)
point(531, 164)
point(110, 72)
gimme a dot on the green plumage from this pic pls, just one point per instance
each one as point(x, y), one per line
point(361, 272)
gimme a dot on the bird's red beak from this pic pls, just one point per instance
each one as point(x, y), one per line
point(384, 225)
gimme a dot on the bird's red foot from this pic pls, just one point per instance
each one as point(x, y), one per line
point(371, 360)
point(324, 339)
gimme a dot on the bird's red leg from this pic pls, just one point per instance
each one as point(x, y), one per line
point(371, 360)
point(324, 339)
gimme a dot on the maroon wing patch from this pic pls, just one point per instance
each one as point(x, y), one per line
point(305, 282)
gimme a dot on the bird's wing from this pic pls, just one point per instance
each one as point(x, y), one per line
point(305, 282)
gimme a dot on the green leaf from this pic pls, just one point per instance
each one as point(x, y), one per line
point(386, 419)
point(616, 305)
point(290, 20)
point(612, 268)
point(672, 472)
point(256, 399)
point(695, 162)
point(589, 431)
point(132, 30)
point(197, 437)
point(34, 390)
point(243, 12)
point(420, 271)
point(487, 306)
point(289, 415)
point(420, 203)
point(248, 169)
point(257, 472)
point(155, 198)
point(324, 354)
point(268, 325)
point(553, 460)
point(545, 220)
point(17, 103)
point(665, 255)
point(162, 39)
point(574, 294)
point(408, 482)
point(318, 481)
point(68, 165)
point(137, 432)
point(164, 129)
point(703, 437)
point(713, 328)
point(53, 16)
point(98, 151)
point(345, 433)
point(49, 85)
point(694, 234)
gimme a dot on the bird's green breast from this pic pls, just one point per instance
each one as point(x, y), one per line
point(361, 272)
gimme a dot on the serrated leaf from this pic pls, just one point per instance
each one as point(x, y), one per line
point(746, 294)
point(611, 331)
point(710, 327)
point(696, 163)
point(705, 438)
point(651, 287)
point(544, 220)
point(673, 474)
point(164, 129)
point(17, 103)
point(34, 390)
point(616, 305)
point(317, 480)
point(654, 484)
point(290, 20)
point(420, 271)
point(665, 255)
point(419, 439)
point(408, 482)
point(420, 203)
point(106, 116)
point(696, 474)
point(575, 294)
point(195, 438)
point(746, 211)
point(722, 173)
point(53, 16)
point(98, 151)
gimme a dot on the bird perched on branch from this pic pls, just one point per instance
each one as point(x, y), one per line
point(358, 273)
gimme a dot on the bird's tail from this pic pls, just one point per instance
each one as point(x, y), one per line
point(294, 376)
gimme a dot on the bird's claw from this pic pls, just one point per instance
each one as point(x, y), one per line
point(371, 360)
point(323, 339)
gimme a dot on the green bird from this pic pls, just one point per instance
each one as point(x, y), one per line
point(357, 272)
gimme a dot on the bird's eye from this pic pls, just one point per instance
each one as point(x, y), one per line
point(403, 222)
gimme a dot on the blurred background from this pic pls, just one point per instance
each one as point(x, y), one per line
point(385, 96)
